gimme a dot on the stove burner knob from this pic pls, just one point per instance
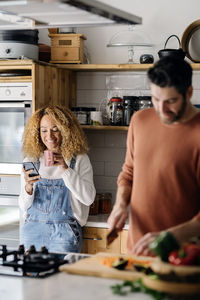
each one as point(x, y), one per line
point(44, 250)
point(21, 249)
point(32, 249)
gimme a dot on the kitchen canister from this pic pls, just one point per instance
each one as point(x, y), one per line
point(105, 203)
point(83, 114)
point(129, 103)
point(116, 111)
point(96, 118)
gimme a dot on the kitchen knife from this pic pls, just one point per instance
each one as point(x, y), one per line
point(111, 236)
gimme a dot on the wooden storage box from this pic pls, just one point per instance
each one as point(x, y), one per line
point(67, 48)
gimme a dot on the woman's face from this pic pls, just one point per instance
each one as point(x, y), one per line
point(50, 134)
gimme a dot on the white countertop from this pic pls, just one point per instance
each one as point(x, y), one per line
point(62, 286)
point(100, 221)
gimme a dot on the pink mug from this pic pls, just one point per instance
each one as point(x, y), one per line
point(48, 158)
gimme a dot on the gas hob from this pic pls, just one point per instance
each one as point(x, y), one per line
point(33, 263)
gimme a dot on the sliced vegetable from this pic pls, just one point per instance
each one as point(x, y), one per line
point(120, 264)
point(164, 244)
point(188, 254)
point(109, 261)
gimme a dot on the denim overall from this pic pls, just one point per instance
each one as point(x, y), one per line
point(50, 221)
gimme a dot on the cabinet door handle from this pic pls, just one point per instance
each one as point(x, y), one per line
point(92, 239)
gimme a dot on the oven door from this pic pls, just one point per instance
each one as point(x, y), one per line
point(13, 116)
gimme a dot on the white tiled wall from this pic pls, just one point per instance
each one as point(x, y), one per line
point(107, 148)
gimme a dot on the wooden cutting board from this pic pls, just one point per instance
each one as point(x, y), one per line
point(171, 287)
point(93, 266)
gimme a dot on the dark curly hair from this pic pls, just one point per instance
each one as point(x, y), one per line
point(171, 72)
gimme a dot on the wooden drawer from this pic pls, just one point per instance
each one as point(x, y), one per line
point(66, 54)
point(67, 40)
point(94, 240)
point(63, 41)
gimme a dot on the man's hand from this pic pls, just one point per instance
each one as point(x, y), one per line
point(119, 214)
point(142, 246)
point(118, 217)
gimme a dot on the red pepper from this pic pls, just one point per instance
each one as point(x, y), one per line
point(188, 254)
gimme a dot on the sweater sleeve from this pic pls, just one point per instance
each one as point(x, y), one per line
point(80, 180)
point(125, 177)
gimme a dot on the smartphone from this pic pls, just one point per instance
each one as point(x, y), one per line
point(31, 166)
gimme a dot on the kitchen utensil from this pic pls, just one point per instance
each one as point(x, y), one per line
point(19, 43)
point(93, 266)
point(190, 41)
point(176, 53)
point(112, 235)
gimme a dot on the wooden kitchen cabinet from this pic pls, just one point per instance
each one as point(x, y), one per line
point(94, 240)
point(50, 84)
point(123, 235)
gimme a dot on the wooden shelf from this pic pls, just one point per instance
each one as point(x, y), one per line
point(105, 67)
point(113, 67)
point(105, 127)
point(27, 64)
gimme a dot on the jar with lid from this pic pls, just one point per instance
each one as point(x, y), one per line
point(116, 111)
point(144, 102)
point(83, 114)
point(105, 202)
point(129, 104)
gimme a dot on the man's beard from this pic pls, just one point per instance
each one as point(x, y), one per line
point(176, 117)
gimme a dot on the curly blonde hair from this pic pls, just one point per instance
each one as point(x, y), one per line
point(73, 138)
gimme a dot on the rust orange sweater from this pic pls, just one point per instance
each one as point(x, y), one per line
point(162, 165)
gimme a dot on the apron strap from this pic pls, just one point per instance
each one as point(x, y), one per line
point(72, 163)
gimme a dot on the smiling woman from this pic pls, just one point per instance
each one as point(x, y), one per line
point(55, 203)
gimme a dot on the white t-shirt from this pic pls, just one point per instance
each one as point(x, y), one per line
point(79, 181)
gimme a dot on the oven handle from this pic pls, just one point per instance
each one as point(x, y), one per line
point(16, 104)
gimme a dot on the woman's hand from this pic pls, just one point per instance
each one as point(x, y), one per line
point(59, 161)
point(29, 181)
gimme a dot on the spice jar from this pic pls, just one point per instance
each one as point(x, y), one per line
point(105, 203)
point(116, 111)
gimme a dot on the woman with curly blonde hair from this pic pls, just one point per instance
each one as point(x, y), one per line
point(55, 203)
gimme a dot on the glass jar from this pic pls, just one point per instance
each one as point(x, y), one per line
point(83, 114)
point(116, 111)
point(144, 102)
point(105, 203)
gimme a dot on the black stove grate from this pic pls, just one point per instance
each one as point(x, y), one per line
point(31, 263)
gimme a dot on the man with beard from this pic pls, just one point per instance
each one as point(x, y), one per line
point(160, 178)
